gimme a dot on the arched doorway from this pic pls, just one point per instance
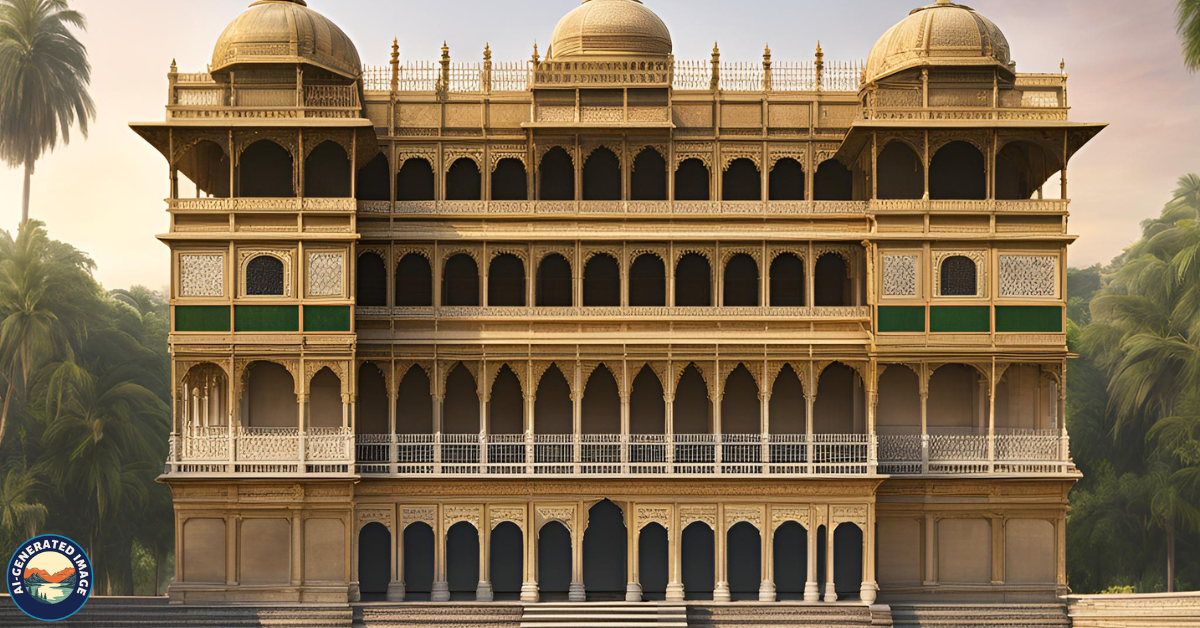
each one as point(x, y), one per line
point(698, 561)
point(462, 561)
point(374, 558)
point(505, 561)
point(847, 561)
point(554, 561)
point(790, 560)
point(327, 172)
point(653, 571)
point(418, 561)
point(604, 553)
point(743, 561)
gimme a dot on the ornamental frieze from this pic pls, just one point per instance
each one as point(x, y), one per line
point(741, 514)
point(562, 514)
point(452, 515)
point(653, 514)
point(418, 514)
point(373, 515)
point(511, 514)
point(784, 514)
point(703, 514)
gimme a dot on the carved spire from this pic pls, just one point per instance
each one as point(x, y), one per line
point(537, 59)
point(395, 64)
point(767, 79)
point(174, 67)
point(819, 66)
point(715, 83)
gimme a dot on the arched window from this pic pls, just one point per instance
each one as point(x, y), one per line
point(602, 176)
point(741, 281)
point(789, 408)
point(647, 281)
point(900, 171)
point(373, 183)
point(649, 176)
point(741, 181)
point(693, 408)
point(324, 405)
point(839, 405)
point(506, 281)
point(554, 286)
point(693, 281)
point(955, 394)
point(506, 407)
point(415, 181)
point(647, 407)
point(460, 412)
point(414, 281)
point(958, 171)
point(266, 170)
point(601, 407)
point(787, 180)
point(832, 281)
point(787, 281)
point(510, 181)
point(460, 282)
point(959, 277)
point(207, 165)
point(1022, 168)
point(602, 282)
point(463, 181)
point(556, 176)
point(414, 403)
point(552, 409)
point(265, 277)
point(371, 281)
point(741, 413)
point(327, 172)
point(691, 181)
point(270, 397)
point(833, 182)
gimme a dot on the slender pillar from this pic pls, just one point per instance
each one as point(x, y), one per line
point(577, 592)
point(633, 590)
point(721, 592)
point(675, 552)
point(830, 586)
point(396, 589)
point(529, 588)
point(812, 593)
point(483, 593)
point(870, 589)
point(441, 586)
point(766, 590)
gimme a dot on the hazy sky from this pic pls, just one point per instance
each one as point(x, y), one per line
point(105, 195)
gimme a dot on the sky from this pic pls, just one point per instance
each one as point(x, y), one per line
point(104, 195)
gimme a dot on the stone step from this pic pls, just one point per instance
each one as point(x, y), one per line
point(604, 615)
point(137, 613)
point(1014, 615)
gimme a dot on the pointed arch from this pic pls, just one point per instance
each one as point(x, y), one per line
point(692, 181)
point(787, 180)
point(833, 181)
point(741, 181)
point(693, 407)
point(741, 412)
point(327, 171)
point(601, 407)
point(460, 409)
point(506, 403)
point(840, 402)
point(266, 170)
point(464, 182)
point(415, 180)
point(647, 405)
point(414, 402)
point(552, 408)
point(649, 177)
point(602, 176)
point(556, 176)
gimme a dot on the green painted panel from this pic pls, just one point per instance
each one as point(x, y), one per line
point(895, 319)
point(202, 318)
point(1029, 319)
point(269, 318)
point(326, 318)
point(960, 319)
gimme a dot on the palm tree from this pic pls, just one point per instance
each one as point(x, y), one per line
point(1189, 32)
point(18, 509)
point(44, 78)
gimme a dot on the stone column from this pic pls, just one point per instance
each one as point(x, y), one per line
point(766, 591)
point(529, 588)
point(633, 591)
point(396, 589)
point(483, 593)
point(721, 592)
point(830, 586)
point(870, 589)
point(675, 590)
point(812, 593)
point(441, 587)
point(577, 591)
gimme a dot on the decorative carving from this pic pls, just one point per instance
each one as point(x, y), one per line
point(512, 514)
point(285, 256)
point(373, 515)
point(781, 515)
point(326, 272)
point(738, 514)
point(562, 514)
point(653, 514)
point(456, 514)
point(418, 514)
point(703, 514)
point(980, 259)
point(1028, 276)
point(202, 275)
point(900, 275)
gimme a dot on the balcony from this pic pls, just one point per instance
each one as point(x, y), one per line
point(261, 451)
point(601, 209)
point(1030, 452)
point(591, 314)
point(220, 205)
point(924, 206)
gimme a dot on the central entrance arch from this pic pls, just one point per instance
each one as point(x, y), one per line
point(605, 552)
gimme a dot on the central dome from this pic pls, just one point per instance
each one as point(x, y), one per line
point(610, 28)
point(286, 32)
point(941, 34)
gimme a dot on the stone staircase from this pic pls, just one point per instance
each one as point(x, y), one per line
point(605, 615)
point(780, 614)
point(1010, 615)
point(156, 613)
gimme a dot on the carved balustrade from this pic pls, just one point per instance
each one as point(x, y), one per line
point(617, 208)
point(259, 205)
point(851, 313)
point(1024, 452)
point(199, 96)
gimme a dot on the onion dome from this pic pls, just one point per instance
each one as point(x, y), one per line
point(943, 34)
point(610, 28)
point(285, 32)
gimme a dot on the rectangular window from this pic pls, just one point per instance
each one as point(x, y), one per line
point(901, 319)
point(1029, 319)
point(962, 320)
point(266, 318)
point(332, 318)
point(202, 318)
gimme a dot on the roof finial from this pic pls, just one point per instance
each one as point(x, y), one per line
point(1062, 67)
point(536, 57)
point(487, 51)
point(174, 67)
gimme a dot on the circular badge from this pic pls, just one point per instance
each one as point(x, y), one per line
point(49, 577)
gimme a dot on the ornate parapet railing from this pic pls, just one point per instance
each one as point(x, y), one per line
point(599, 209)
point(923, 206)
point(261, 451)
point(614, 455)
point(199, 96)
point(852, 313)
point(339, 205)
point(1023, 452)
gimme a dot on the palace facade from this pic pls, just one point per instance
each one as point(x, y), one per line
point(608, 325)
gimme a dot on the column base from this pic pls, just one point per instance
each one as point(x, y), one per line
point(529, 592)
point(396, 592)
point(441, 592)
point(633, 592)
point(766, 591)
point(868, 593)
point(355, 592)
point(721, 592)
point(483, 593)
point(830, 592)
point(811, 592)
point(675, 592)
point(577, 593)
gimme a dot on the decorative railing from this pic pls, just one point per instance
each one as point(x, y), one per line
point(921, 206)
point(852, 313)
point(1019, 452)
point(216, 450)
point(200, 96)
point(341, 205)
point(617, 208)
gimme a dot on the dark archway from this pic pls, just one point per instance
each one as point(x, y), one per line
point(554, 561)
point(647, 282)
point(698, 561)
point(554, 286)
point(605, 552)
point(415, 181)
point(270, 397)
point(462, 561)
point(374, 560)
point(822, 559)
point(787, 281)
point(556, 176)
point(741, 181)
point(833, 181)
point(602, 176)
point(647, 407)
point(693, 281)
point(266, 170)
point(414, 403)
point(207, 165)
point(601, 409)
point(959, 277)
point(464, 181)
point(327, 172)
point(265, 276)
point(741, 282)
point(649, 178)
point(374, 182)
point(460, 414)
point(832, 279)
point(552, 410)
point(414, 281)
point(741, 412)
point(418, 562)
point(693, 409)
point(1022, 168)
point(900, 171)
point(460, 282)
point(847, 561)
point(506, 406)
point(838, 408)
point(510, 181)
point(371, 281)
point(653, 562)
point(507, 558)
point(602, 282)
point(325, 408)
point(372, 408)
point(789, 409)
point(787, 181)
point(692, 181)
point(958, 171)
point(790, 560)
point(743, 561)
point(506, 281)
